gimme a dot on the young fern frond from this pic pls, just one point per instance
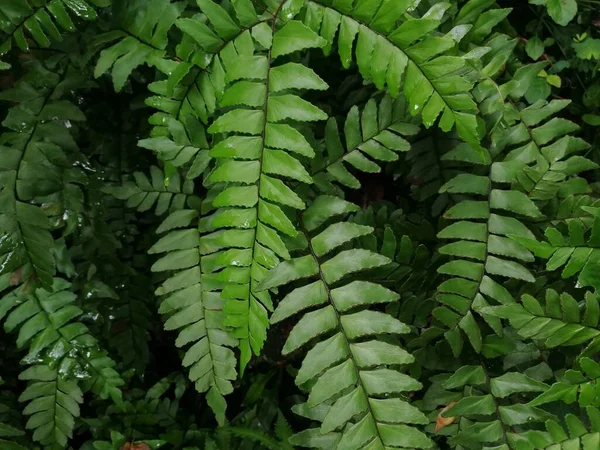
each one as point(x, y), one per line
point(385, 52)
point(372, 138)
point(355, 390)
point(192, 305)
point(165, 195)
point(577, 252)
point(254, 148)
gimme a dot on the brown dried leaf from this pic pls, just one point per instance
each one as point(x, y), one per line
point(130, 446)
point(16, 277)
point(442, 421)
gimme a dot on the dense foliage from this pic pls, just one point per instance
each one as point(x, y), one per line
point(278, 224)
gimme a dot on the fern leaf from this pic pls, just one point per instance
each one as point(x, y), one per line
point(53, 404)
point(195, 84)
point(576, 386)
point(490, 221)
point(46, 324)
point(577, 253)
point(34, 165)
point(193, 306)
point(482, 416)
point(349, 372)
point(143, 37)
point(385, 52)
point(479, 234)
point(558, 322)
point(41, 22)
point(541, 152)
point(242, 237)
point(576, 434)
point(372, 137)
point(164, 194)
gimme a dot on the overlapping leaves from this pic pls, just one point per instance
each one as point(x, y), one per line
point(576, 252)
point(484, 412)
point(41, 21)
point(403, 53)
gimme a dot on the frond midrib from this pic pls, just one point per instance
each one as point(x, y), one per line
point(346, 339)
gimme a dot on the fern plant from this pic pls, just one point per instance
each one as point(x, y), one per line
point(278, 224)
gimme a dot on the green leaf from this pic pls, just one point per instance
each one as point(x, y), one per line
point(294, 36)
point(562, 11)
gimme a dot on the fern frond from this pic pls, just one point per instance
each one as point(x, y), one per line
point(576, 435)
point(483, 416)
point(392, 43)
point(558, 322)
point(355, 391)
point(53, 404)
point(164, 194)
point(42, 21)
point(579, 386)
point(196, 83)
point(46, 324)
point(577, 252)
point(192, 305)
point(241, 240)
point(495, 209)
point(34, 165)
point(41, 316)
point(482, 252)
point(579, 208)
point(541, 153)
point(487, 250)
point(373, 136)
point(142, 34)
